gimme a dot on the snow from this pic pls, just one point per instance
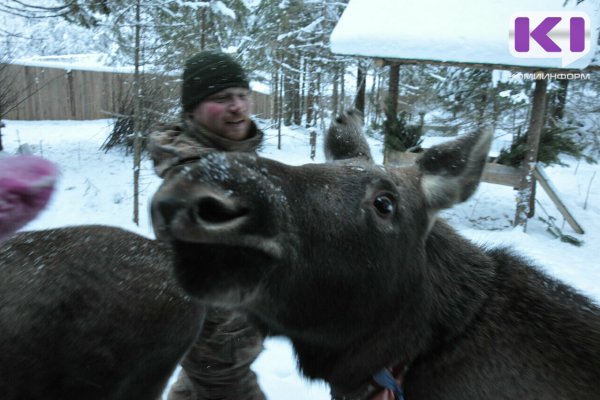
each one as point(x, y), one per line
point(96, 187)
point(474, 32)
point(220, 7)
point(86, 62)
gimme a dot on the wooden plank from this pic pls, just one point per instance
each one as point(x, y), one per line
point(515, 68)
point(400, 158)
point(492, 172)
point(501, 175)
point(542, 178)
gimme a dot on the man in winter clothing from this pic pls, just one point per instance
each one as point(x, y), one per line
point(216, 107)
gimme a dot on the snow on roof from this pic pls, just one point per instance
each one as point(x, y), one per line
point(466, 31)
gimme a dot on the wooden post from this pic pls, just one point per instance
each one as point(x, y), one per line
point(544, 181)
point(393, 90)
point(533, 141)
point(361, 84)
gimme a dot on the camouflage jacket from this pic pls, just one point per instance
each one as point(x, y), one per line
point(187, 140)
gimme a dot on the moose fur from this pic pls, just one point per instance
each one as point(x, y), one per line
point(90, 313)
point(349, 261)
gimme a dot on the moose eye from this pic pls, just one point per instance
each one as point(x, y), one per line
point(384, 204)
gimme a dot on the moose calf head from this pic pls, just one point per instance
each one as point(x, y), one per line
point(318, 252)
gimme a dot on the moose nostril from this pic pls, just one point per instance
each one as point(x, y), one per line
point(215, 211)
point(339, 120)
point(167, 209)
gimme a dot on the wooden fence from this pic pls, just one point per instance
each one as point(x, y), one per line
point(44, 93)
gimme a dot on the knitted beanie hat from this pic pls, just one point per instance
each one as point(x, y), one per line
point(209, 72)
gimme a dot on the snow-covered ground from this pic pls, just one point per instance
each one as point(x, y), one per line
point(96, 187)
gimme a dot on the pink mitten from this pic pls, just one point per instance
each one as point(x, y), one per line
point(26, 183)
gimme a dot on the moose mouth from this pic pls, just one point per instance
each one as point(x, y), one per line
point(220, 244)
point(219, 273)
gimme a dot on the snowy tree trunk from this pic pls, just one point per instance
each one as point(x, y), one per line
point(280, 116)
point(303, 87)
point(342, 87)
point(320, 101)
point(361, 84)
point(335, 96)
point(561, 99)
point(275, 101)
point(310, 97)
point(203, 28)
point(296, 93)
point(526, 187)
point(137, 114)
point(375, 112)
point(288, 92)
point(392, 101)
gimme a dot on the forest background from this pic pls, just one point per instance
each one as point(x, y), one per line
point(284, 44)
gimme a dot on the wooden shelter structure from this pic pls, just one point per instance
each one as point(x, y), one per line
point(474, 35)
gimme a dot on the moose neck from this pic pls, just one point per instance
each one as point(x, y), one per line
point(459, 274)
point(451, 291)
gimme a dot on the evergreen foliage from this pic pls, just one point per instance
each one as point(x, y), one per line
point(555, 139)
point(467, 93)
point(399, 135)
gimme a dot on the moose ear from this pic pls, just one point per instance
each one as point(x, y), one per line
point(345, 139)
point(451, 171)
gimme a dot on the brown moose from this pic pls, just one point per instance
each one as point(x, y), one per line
point(90, 313)
point(349, 261)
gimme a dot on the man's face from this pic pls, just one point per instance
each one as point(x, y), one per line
point(226, 113)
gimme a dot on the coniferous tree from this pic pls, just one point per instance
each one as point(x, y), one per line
point(189, 27)
point(399, 134)
point(466, 93)
point(292, 37)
